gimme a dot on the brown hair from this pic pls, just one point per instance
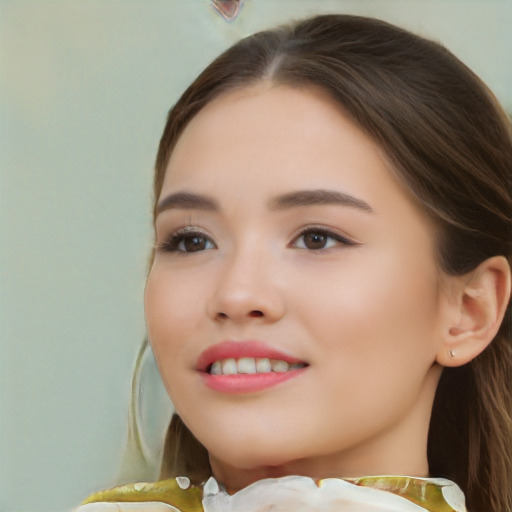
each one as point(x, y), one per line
point(450, 144)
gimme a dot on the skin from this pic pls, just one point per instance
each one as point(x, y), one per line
point(368, 317)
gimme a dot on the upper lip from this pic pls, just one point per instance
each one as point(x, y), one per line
point(238, 349)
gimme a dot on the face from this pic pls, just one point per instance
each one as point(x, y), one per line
point(285, 247)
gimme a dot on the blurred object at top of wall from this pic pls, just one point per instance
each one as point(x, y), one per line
point(229, 9)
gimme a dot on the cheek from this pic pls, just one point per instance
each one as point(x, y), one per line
point(380, 316)
point(375, 346)
point(169, 308)
point(170, 311)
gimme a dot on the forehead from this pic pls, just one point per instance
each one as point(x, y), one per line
point(270, 128)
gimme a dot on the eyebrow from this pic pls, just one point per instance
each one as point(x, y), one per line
point(318, 197)
point(188, 201)
point(301, 198)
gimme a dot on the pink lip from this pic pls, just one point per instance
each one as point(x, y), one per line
point(244, 383)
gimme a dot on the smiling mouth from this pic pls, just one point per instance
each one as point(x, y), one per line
point(251, 365)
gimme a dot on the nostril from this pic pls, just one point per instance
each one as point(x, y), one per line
point(255, 313)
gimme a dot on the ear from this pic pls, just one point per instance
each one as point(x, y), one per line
point(476, 309)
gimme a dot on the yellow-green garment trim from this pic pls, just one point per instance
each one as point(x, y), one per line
point(424, 493)
point(164, 491)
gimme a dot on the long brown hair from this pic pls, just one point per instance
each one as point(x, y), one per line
point(450, 144)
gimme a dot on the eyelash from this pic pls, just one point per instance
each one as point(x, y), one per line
point(328, 234)
point(173, 242)
point(181, 236)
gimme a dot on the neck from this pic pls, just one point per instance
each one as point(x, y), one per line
point(335, 465)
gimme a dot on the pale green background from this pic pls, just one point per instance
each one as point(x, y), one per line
point(84, 90)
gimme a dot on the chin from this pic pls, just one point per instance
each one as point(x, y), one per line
point(251, 455)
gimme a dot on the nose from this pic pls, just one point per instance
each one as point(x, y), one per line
point(247, 288)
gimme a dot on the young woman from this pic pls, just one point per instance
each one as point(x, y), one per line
point(328, 295)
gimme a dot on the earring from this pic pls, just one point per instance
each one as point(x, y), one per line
point(451, 352)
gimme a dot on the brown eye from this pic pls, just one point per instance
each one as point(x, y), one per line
point(181, 242)
point(315, 240)
point(193, 243)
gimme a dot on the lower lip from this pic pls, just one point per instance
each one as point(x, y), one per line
point(248, 383)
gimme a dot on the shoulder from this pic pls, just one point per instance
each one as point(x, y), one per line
point(174, 494)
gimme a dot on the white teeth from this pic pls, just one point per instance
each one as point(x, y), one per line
point(216, 368)
point(263, 366)
point(279, 366)
point(251, 365)
point(229, 367)
point(246, 365)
